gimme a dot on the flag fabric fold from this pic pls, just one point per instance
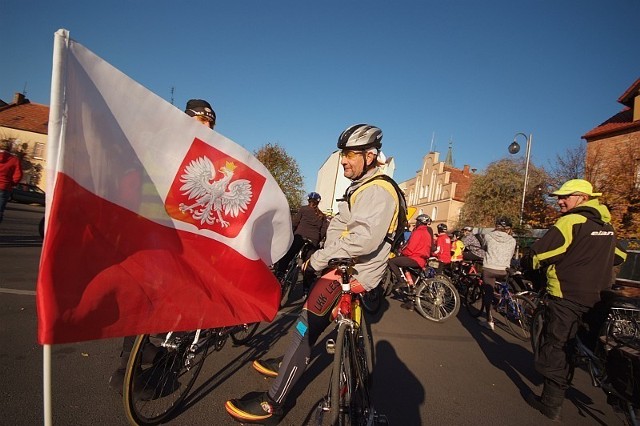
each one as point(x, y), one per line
point(154, 222)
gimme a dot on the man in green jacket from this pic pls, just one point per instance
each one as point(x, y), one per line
point(579, 253)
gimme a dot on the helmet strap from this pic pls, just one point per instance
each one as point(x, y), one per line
point(366, 166)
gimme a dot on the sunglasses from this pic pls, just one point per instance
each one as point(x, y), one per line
point(564, 197)
point(350, 155)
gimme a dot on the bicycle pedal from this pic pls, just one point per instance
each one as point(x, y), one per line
point(330, 346)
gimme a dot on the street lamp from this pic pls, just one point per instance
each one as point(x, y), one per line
point(514, 148)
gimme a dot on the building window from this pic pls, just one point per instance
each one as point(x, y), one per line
point(38, 150)
point(434, 213)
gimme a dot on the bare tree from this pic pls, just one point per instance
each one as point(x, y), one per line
point(568, 165)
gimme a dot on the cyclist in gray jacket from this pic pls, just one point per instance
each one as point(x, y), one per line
point(360, 229)
point(498, 251)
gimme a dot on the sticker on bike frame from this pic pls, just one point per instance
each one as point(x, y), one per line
point(302, 328)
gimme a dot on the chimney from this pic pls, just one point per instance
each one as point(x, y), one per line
point(19, 99)
point(465, 170)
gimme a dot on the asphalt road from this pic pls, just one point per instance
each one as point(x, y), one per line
point(456, 373)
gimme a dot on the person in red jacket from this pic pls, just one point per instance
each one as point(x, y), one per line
point(443, 246)
point(414, 254)
point(10, 175)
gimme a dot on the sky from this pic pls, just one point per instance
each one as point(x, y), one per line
point(297, 73)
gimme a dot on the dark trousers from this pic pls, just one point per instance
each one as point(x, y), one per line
point(467, 255)
point(562, 320)
point(298, 242)
point(401, 262)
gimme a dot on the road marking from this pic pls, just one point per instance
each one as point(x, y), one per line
point(22, 292)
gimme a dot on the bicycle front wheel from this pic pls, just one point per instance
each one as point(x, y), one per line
point(243, 333)
point(474, 299)
point(520, 316)
point(160, 374)
point(350, 380)
point(288, 282)
point(437, 299)
point(537, 329)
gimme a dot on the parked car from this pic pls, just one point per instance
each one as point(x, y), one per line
point(28, 194)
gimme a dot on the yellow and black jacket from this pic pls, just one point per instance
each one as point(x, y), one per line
point(579, 252)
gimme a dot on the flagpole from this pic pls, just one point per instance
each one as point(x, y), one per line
point(55, 132)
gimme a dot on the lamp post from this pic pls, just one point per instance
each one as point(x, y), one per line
point(514, 148)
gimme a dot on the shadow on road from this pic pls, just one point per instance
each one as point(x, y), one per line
point(517, 362)
point(20, 241)
point(397, 392)
point(513, 359)
point(257, 347)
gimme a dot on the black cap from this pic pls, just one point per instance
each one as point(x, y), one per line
point(200, 107)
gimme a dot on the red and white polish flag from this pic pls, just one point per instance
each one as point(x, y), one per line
point(153, 221)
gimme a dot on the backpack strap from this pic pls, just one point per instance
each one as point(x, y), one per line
point(390, 186)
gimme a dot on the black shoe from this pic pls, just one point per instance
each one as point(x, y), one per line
point(254, 407)
point(268, 367)
point(552, 413)
point(407, 305)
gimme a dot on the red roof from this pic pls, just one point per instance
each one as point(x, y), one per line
point(25, 116)
point(463, 179)
point(622, 121)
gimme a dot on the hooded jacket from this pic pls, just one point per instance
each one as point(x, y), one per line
point(499, 248)
point(579, 251)
point(10, 171)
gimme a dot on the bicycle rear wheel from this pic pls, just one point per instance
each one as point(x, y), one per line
point(519, 317)
point(437, 299)
point(350, 380)
point(387, 282)
point(474, 299)
point(537, 328)
point(159, 377)
point(243, 333)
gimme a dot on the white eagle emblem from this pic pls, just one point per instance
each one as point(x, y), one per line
point(213, 197)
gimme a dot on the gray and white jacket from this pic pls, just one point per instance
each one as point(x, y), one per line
point(499, 248)
point(360, 232)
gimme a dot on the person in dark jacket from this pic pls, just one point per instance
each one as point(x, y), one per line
point(309, 224)
point(579, 253)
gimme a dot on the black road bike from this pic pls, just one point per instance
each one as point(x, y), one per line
point(163, 368)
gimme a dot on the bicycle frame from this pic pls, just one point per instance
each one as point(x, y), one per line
point(348, 393)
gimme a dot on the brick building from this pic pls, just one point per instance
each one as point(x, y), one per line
point(613, 162)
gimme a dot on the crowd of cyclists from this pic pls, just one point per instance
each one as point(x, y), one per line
point(363, 229)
